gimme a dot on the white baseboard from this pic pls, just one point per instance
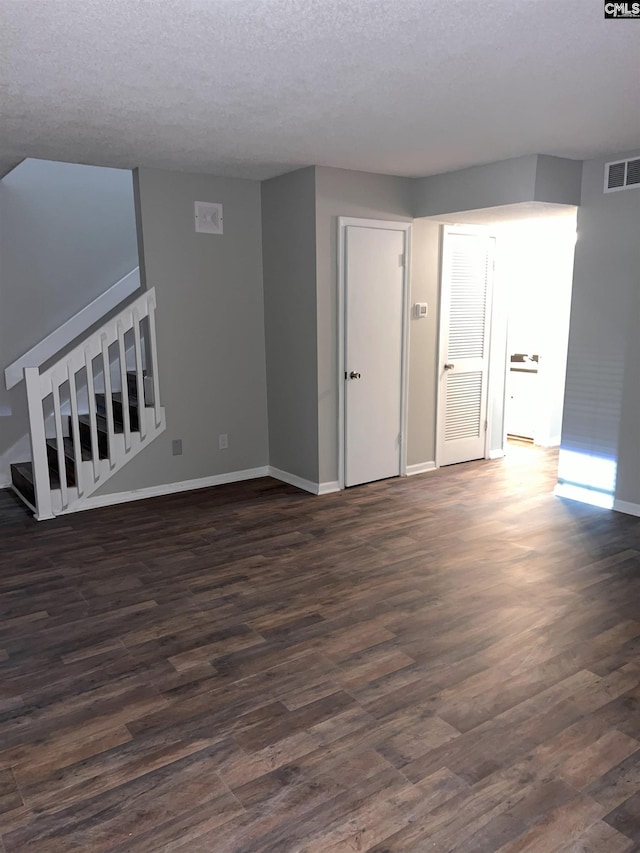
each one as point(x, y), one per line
point(625, 506)
point(329, 487)
point(5, 484)
point(306, 485)
point(496, 454)
point(547, 441)
point(420, 468)
point(96, 501)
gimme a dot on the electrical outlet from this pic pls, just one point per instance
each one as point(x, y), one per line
point(223, 441)
point(176, 447)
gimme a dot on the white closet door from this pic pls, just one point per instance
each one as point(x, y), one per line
point(373, 353)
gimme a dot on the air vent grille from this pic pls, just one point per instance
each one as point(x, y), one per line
point(622, 175)
point(633, 172)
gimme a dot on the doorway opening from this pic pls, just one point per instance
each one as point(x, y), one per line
point(527, 327)
point(534, 274)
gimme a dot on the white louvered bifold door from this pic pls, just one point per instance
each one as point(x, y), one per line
point(463, 368)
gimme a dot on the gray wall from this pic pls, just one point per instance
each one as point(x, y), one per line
point(67, 233)
point(492, 185)
point(340, 192)
point(558, 180)
point(423, 342)
point(210, 329)
point(604, 356)
point(289, 266)
point(554, 180)
point(628, 481)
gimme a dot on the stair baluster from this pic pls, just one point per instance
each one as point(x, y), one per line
point(137, 345)
point(75, 430)
point(126, 416)
point(38, 439)
point(62, 463)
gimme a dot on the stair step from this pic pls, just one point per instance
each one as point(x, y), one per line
point(101, 419)
point(118, 410)
point(84, 422)
point(69, 456)
point(132, 386)
point(23, 480)
point(101, 422)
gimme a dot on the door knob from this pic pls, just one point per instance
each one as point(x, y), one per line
point(354, 375)
point(449, 366)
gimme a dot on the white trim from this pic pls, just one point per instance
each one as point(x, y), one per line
point(294, 480)
point(625, 506)
point(329, 487)
point(548, 441)
point(496, 454)
point(73, 328)
point(97, 501)
point(341, 256)
point(5, 484)
point(386, 225)
point(420, 468)
point(404, 355)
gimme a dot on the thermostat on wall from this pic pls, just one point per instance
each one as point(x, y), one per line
point(208, 217)
point(421, 310)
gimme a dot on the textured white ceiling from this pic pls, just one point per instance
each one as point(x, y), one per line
point(253, 88)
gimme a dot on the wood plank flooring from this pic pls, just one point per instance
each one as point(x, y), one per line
point(443, 664)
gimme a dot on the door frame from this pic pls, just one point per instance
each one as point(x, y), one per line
point(386, 225)
point(478, 231)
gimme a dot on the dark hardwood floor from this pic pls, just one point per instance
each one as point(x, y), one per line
point(443, 664)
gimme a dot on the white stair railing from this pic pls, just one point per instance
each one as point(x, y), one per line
point(61, 381)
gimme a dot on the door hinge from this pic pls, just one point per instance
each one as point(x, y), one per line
point(486, 425)
point(401, 260)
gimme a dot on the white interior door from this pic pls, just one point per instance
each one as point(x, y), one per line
point(463, 368)
point(373, 352)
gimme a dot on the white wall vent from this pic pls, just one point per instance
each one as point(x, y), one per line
point(208, 217)
point(622, 175)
